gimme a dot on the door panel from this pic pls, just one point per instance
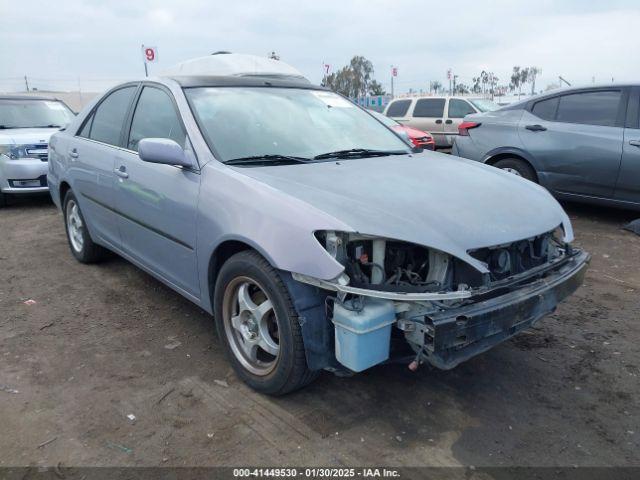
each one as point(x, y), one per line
point(428, 116)
point(628, 186)
point(158, 207)
point(92, 165)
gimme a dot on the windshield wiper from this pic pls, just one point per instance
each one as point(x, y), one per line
point(359, 153)
point(262, 159)
point(47, 126)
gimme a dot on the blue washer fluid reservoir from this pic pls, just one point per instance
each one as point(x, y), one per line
point(363, 336)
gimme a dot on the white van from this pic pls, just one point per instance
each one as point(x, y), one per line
point(440, 116)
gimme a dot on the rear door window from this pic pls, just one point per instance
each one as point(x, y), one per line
point(109, 117)
point(429, 107)
point(459, 108)
point(590, 108)
point(546, 109)
point(398, 108)
point(155, 117)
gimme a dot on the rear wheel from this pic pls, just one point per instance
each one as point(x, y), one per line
point(517, 167)
point(80, 242)
point(259, 327)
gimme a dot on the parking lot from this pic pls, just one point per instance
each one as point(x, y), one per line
point(84, 347)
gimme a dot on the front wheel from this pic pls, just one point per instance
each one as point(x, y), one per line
point(259, 327)
point(82, 246)
point(517, 167)
point(3, 200)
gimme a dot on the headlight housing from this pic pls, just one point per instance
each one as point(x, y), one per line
point(378, 263)
point(15, 152)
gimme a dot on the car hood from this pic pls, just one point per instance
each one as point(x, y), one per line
point(432, 199)
point(26, 136)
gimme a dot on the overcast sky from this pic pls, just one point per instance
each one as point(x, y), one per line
point(57, 42)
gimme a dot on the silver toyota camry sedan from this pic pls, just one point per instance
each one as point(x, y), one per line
point(313, 234)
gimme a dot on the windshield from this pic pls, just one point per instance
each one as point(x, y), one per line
point(33, 113)
point(484, 105)
point(256, 121)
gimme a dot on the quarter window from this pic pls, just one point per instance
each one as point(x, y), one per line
point(546, 109)
point(459, 108)
point(398, 108)
point(590, 108)
point(155, 117)
point(429, 107)
point(109, 117)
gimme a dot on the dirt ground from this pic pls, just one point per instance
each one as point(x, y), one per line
point(107, 341)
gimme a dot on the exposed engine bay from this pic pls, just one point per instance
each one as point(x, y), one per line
point(432, 319)
point(394, 266)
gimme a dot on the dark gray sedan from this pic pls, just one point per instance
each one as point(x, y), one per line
point(581, 144)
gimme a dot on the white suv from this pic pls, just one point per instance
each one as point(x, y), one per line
point(440, 116)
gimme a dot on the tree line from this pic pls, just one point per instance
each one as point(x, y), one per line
point(357, 80)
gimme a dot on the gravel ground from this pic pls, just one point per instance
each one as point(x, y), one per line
point(108, 367)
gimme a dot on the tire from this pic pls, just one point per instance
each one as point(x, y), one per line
point(3, 200)
point(258, 326)
point(517, 167)
point(82, 246)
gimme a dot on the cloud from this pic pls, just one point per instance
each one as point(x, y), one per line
point(96, 40)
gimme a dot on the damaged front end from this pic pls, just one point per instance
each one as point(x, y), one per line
point(446, 309)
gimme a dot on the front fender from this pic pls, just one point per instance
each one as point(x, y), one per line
point(236, 207)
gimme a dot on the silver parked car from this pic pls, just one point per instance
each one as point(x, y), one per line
point(583, 144)
point(26, 123)
point(310, 230)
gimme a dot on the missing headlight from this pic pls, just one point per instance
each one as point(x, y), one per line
point(381, 264)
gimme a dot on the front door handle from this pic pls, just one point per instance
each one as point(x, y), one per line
point(635, 143)
point(74, 153)
point(121, 172)
point(448, 122)
point(439, 121)
point(536, 128)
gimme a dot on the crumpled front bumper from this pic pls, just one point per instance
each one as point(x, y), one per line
point(461, 333)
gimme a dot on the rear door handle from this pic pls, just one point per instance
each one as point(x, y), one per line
point(439, 121)
point(121, 172)
point(536, 128)
point(635, 143)
point(449, 122)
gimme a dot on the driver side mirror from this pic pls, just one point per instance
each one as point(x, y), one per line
point(163, 151)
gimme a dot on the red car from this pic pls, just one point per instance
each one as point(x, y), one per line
point(418, 138)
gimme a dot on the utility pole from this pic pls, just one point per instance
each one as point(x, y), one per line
point(454, 83)
point(26, 83)
point(394, 72)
